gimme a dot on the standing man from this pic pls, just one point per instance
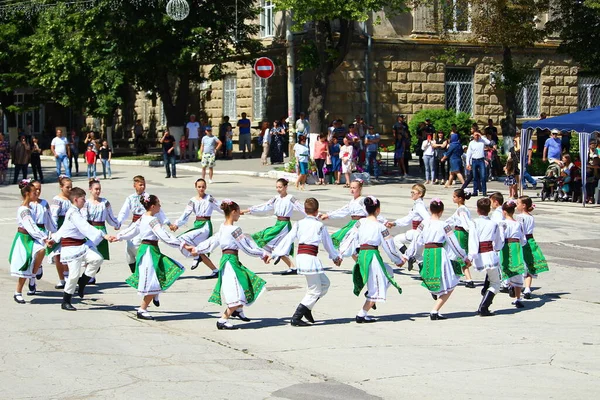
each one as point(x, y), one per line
point(20, 157)
point(74, 155)
point(168, 147)
point(552, 147)
point(302, 127)
point(492, 130)
point(138, 136)
point(210, 146)
point(476, 162)
point(61, 150)
point(223, 129)
point(372, 144)
point(245, 136)
point(192, 132)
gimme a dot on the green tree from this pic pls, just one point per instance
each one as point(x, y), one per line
point(329, 41)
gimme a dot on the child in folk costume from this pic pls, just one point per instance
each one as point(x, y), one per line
point(237, 285)
point(366, 236)
point(417, 214)
point(309, 232)
point(485, 240)
point(202, 207)
point(437, 239)
point(78, 241)
point(460, 223)
point(154, 272)
point(58, 209)
point(496, 201)
point(134, 206)
point(282, 205)
point(534, 258)
point(511, 255)
point(98, 211)
point(355, 209)
point(28, 248)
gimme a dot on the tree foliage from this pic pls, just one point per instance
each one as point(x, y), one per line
point(442, 120)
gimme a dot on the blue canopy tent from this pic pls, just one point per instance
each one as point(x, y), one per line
point(583, 122)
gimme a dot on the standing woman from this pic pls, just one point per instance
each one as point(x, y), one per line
point(427, 148)
point(439, 146)
point(302, 155)
point(154, 272)
point(282, 205)
point(266, 143)
point(355, 209)
point(202, 207)
point(347, 155)
point(320, 156)
point(27, 251)
point(459, 221)
point(532, 254)
point(437, 239)
point(277, 134)
point(454, 155)
point(58, 209)
point(36, 161)
point(370, 271)
point(237, 285)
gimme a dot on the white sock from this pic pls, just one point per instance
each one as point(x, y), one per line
point(32, 281)
point(527, 290)
point(222, 320)
point(18, 294)
point(362, 313)
point(214, 272)
point(469, 280)
point(433, 312)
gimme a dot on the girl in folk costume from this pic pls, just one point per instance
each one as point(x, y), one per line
point(511, 255)
point(438, 240)
point(78, 241)
point(355, 209)
point(532, 254)
point(40, 212)
point(459, 221)
point(58, 209)
point(154, 272)
point(237, 285)
point(135, 207)
point(309, 232)
point(98, 211)
point(282, 205)
point(417, 214)
point(27, 251)
point(366, 236)
point(202, 207)
point(485, 240)
point(497, 199)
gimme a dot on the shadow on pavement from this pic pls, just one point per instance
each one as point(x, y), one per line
point(182, 316)
point(536, 302)
point(260, 323)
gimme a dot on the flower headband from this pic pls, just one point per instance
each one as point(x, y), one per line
point(227, 201)
point(145, 196)
point(358, 180)
point(25, 181)
point(511, 203)
point(436, 200)
point(373, 199)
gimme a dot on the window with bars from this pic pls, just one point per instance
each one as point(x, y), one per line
point(588, 88)
point(267, 21)
point(528, 96)
point(456, 15)
point(459, 90)
point(259, 100)
point(230, 97)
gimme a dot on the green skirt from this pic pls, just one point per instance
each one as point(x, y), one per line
point(360, 272)
point(27, 242)
point(511, 260)
point(264, 237)
point(534, 258)
point(339, 235)
point(463, 240)
point(167, 270)
point(60, 222)
point(432, 269)
point(198, 225)
point(251, 283)
point(103, 245)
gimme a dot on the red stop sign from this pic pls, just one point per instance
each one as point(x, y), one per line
point(264, 68)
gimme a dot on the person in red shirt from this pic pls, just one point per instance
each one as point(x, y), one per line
point(90, 158)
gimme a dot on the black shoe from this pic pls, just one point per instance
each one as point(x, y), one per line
point(527, 295)
point(198, 261)
point(59, 286)
point(66, 304)
point(39, 274)
point(19, 299)
point(298, 322)
point(32, 288)
point(411, 263)
point(503, 289)
point(307, 313)
point(237, 314)
point(485, 313)
point(290, 272)
point(486, 286)
point(518, 304)
point(437, 317)
point(298, 314)
point(363, 320)
point(145, 316)
point(82, 282)
point(221, 326)
point(470, 284)
point(214, 275)
point(168, 176)
point(486, 302)
point(511, 292)
point(156, 302)
point(132, 268)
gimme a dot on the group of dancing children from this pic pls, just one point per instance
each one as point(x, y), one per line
point(71, 233)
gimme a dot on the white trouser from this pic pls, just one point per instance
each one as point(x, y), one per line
point(317, 284)
point(405, 239)
point(516, 281)
point(494, 278)
point(91, 261)
point(131, 248)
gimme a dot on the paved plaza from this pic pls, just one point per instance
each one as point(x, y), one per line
point(549, 349)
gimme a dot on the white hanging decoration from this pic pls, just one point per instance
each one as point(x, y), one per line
point(178, 9)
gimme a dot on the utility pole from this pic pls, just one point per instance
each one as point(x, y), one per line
point(291, 81)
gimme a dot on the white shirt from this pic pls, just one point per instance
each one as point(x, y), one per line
point(25, 220)
point(527, 222)
point(512, 230)
point(60, 145)
point(193, 128)
point(40, 212)
point(483, 229)
point(59, 208)
point(356, 207)
point(372, 233)
point(460, 218)
point(301, 152)
point(497, 215)
point(76, 227)
point(231, 237)
point(302, 126)
point(476, 149)
point(281, 206)
point(149, 228)
point(99, 212)
point(203, 207)
point(435, 231)
point(133, 204)
point(267, 137)
point(427, 147)
point(417, 213)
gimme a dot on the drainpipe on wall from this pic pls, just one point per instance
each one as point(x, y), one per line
point(368, 72)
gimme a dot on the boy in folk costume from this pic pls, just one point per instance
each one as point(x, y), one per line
point(132, 204)
point(309, 232)
point(485, 240)
point(78, 241)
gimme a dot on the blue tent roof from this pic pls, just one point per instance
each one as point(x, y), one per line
point(580, 121)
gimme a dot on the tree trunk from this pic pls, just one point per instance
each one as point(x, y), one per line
point(174, 92)
point(316, 101)
point(510, 126)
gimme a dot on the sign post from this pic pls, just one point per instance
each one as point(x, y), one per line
point(264, 68)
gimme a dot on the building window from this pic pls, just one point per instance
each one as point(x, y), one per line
point(588, 88)
point(259, 100)
point(267, 21)
point(459, 90)
point(528, 96)
point(456, 15)
point(230, 97)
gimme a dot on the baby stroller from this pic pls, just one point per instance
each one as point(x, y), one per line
point(551, 182)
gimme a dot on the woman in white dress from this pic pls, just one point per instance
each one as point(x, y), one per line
point(58, 209)
point(28, 248)
point(346, 155)
point(283, 206)
point(459, 221)
point(438, 241)
point(370, 271)
point(201, 207)
point(355, 209)
point(237, 285)
point(154, 272)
